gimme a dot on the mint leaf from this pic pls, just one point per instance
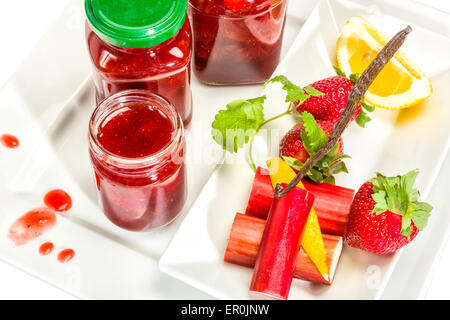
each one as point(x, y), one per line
point(294, 92)
point(234, 126)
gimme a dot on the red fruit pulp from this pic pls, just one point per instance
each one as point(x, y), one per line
point(58, 200)
point(66, 255)
point(148, 195)
point(137, 131)
point(237, 41)
point(163, 69)
point(9, 141)
point(46, 248)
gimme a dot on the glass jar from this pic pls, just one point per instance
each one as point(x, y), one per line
point(141, 44)
point(237, 41)
point(137, 146)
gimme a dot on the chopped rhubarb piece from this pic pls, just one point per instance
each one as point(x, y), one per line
point(312, 243)
point(261, 196)
point(243, 246)
point(332, 203)
point(280, 244)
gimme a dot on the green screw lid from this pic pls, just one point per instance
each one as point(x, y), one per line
point(136, 23)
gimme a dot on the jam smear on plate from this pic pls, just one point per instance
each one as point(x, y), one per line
point(58, 200)
point(9, 141)
point(46, 248)
point(66, 255)
point(32, 225)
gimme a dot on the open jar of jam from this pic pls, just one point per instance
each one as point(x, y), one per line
point(237, 41)
point(137, 146)
point(141, 44)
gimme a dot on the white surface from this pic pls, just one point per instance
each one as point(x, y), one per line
point(389, 144)
point(27, 30)
point(53, 99)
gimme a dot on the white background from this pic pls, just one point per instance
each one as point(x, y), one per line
point(22, 23)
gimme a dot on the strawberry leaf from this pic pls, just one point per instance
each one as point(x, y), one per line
point(362, 119)
point(368, 107)
point(234, 126)
point(398, 195)
point(339, 72)
point(313, 137)
point(354, 77)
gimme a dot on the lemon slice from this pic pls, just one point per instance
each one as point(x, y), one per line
point(399, 85)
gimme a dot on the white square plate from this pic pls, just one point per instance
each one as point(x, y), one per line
point(393, 143)
point(47, 104)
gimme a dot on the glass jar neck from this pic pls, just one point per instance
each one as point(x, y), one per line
point(110, 106)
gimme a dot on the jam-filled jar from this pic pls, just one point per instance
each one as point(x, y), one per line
point(141, 44)
point(237, 41)
point(137, 147)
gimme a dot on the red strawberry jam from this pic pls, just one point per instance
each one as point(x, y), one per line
point(141, 44)
point(137, 150)
point(237, 41)
point(9, 141)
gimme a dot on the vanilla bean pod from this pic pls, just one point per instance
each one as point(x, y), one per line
point(355, 97)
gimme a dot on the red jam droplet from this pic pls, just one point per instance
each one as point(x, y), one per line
point(66, 255)
point(46, 248)
point(9, 141)
point(137, 131)
point(58, 200)
point(32, 225)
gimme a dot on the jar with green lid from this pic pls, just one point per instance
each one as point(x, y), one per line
point(141, 44)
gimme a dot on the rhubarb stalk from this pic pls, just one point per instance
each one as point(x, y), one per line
point(332, 203)
point(243, 246)
point(280, 244)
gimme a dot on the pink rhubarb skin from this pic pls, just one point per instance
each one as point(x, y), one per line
point(280, 244)
point(261, 196)
point(243, 246)
point(332, 203)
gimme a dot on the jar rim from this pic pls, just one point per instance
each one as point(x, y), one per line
point(232, 15)
point(120, 99)
point(136, 23)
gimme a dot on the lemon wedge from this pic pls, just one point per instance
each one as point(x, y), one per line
point(399, 85)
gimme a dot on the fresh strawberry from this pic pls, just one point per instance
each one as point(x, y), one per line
point(385, 214)
point(304, 140)
point(292, 145)
point(330, 105)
